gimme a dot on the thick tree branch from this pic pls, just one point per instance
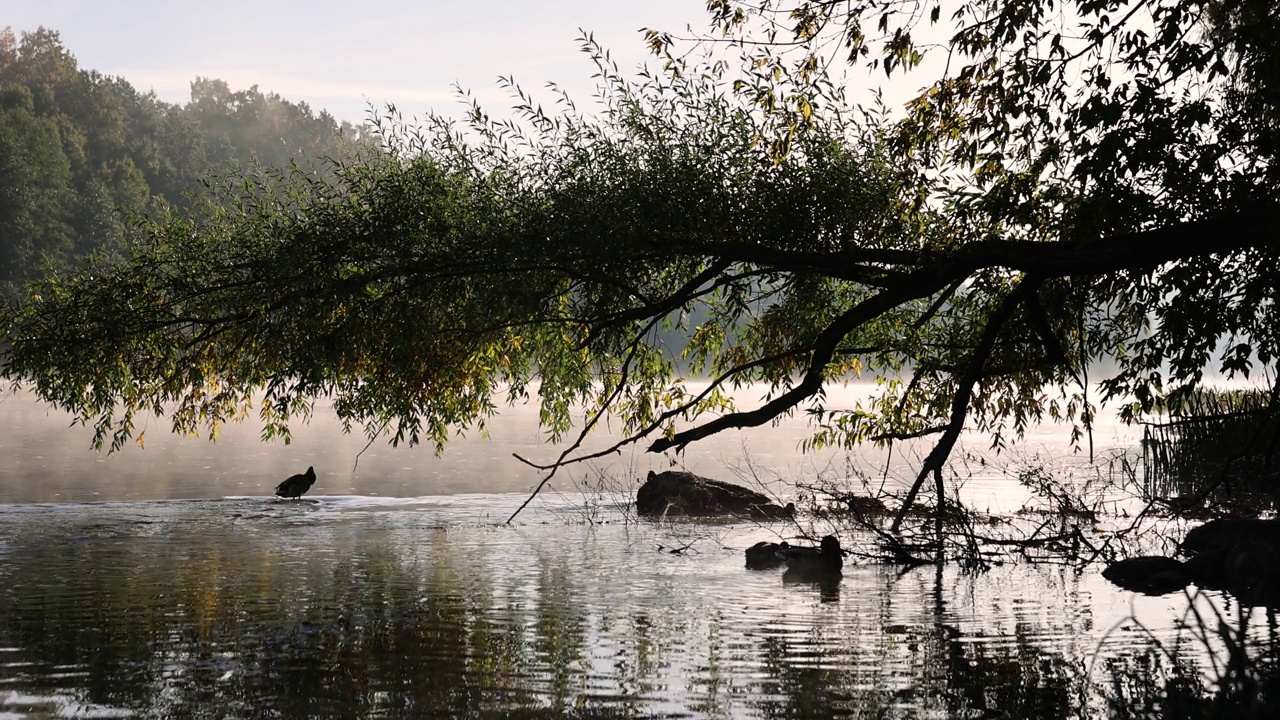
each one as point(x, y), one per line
point(1134, 251)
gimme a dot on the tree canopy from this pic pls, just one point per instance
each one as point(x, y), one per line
point(80, 150)
point(1074, 181)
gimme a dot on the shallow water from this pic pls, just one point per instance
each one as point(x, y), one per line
point(392, 603)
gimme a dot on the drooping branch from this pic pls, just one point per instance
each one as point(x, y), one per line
point(689, 290)
point(964, 393)
point(695, 287)
point(666, 416)
point(1052, 345)
point(920, 284)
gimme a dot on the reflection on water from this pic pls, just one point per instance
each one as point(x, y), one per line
point(356, 607)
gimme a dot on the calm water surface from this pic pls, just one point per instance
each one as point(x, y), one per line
point(166, 582)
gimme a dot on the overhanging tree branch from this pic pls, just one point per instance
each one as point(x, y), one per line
point(1137, 251)
point(963, 393)
point(922, 283)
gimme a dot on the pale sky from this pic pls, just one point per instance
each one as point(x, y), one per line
point(341, 56)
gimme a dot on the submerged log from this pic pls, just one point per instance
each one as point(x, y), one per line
point(676, 492)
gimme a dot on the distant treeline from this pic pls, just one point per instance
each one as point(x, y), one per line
point(79, 150)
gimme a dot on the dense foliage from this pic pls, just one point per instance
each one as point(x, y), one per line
point(80, 151)
point(1149, 125)
point(1095, 179)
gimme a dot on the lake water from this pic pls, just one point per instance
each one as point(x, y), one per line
point(167, 582)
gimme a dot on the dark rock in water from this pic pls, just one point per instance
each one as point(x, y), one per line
point(1208, 569)
point(826, 559)
point(865, 505)
point(765, 555)
point(1149, 575)
point(1237, 555)
point(1225, 533)
point(683, 493)
point(1252, 573)
point(296, 485)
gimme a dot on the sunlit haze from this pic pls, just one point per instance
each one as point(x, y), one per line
point(343, 56)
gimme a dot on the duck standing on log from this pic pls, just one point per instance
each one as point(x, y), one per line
point(296, 485)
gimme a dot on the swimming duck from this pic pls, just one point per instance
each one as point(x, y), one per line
point(826, 559)
point(765, 555)
point(296, 485)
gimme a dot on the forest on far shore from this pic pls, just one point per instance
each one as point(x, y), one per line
point(80, 152)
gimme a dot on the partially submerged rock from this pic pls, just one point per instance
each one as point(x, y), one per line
point(676, 492)
point(1149, 575)
point(1225, 533)
point(1238, 555)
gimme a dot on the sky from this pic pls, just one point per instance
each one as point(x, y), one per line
point(344, 56)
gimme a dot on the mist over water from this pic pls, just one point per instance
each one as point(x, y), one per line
point(46, 457)
point(167, 582)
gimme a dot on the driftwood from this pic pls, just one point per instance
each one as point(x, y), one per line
point(682, 493)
